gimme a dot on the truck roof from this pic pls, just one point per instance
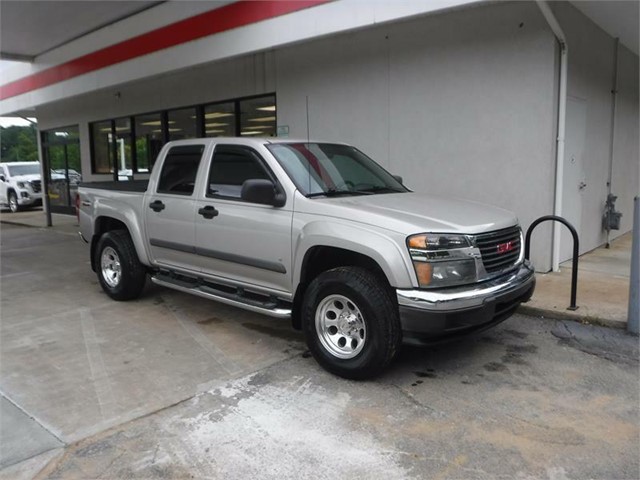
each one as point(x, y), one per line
point(253, 141)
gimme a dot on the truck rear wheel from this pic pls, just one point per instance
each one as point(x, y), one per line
point(350, 322)
point(120, 273)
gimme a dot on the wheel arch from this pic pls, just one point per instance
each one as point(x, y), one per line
point(322, 258)
point(106, 223)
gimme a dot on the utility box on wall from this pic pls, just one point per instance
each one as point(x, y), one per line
point(611, 218)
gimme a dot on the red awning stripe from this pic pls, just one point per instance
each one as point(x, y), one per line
point(226, 18)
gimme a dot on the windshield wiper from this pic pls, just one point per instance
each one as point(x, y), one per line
point(379, 189)
point(332, 192)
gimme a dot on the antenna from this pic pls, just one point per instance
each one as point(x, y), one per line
point(308, 134)
point(308, 141)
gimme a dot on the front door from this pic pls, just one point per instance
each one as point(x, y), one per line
point(574, 184)
point(62, 167)
point(239, 240)
point(170, 210)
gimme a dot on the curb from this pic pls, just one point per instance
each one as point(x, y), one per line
point(570, 316)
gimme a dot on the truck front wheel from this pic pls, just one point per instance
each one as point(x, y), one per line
point(350, 322)
point(120, 273)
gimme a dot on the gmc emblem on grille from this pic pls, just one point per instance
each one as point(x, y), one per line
point(505, 247)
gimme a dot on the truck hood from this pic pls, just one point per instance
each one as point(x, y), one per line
point(26, 178)
point(410, 213)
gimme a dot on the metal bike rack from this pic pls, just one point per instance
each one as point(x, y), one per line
point(576, 249)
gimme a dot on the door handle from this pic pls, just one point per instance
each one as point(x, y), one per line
point(156, 206)
point(582, 185)
point(208, 212)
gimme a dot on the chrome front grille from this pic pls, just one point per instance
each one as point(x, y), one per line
point(36, 186)
point(500, 249)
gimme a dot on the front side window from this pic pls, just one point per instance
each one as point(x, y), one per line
point(323, 169)
point(180, 169)
point(230, 168)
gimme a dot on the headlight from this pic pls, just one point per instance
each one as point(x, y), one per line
point(442, 260)
point(20, 184)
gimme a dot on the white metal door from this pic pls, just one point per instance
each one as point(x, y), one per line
point(574, 183)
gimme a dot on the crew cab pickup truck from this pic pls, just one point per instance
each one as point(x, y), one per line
point(313, 232)
point(20, 185)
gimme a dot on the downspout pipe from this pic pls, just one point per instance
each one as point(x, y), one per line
point(562, 121)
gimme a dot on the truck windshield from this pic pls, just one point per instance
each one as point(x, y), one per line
point(325, 169)
point(16, 170)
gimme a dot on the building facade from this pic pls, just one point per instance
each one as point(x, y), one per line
point(459, 98)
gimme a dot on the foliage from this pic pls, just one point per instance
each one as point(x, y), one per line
point(18, 144)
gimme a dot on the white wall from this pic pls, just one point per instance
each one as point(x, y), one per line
point(591, 65)
point(460, 104)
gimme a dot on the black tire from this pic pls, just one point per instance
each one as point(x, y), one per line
point(373, 304)
point(14, 206)
point(126, 280)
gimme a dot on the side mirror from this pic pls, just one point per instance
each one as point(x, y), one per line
point(261, 191)
point(398, 178)
point(2, 179)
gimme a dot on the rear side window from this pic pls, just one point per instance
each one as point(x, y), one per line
point(230, 167)
point(178, 175)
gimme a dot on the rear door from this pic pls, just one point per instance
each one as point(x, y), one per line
point(242, 241)
point(170, 209)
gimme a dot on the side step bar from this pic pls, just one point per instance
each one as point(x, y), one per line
point(272, 308)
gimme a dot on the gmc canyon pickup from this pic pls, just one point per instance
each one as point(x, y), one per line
point(314, 232)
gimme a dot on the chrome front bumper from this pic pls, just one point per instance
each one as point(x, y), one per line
point(444, 312)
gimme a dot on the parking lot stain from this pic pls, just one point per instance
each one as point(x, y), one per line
point(291, 335)
point(522, 348)
point(208, 321)
point(495, 367)
point(515, 358)
point(516, 333)
point(430, 373)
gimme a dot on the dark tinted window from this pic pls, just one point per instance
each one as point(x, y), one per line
point(182, 124)
point(101, 136)
point(180, 168)
point(230, 167)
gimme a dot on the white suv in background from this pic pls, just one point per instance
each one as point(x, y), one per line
point(20, 185)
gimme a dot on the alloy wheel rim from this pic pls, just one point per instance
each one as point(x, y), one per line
point(340, 326)
point(111, 267)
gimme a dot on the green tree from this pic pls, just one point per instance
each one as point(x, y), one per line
point(18, 144)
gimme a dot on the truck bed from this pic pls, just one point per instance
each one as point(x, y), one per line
point(129, 186)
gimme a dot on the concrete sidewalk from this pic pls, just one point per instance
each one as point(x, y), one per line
point(603, 277)
point(36, 218)
point(603, 288)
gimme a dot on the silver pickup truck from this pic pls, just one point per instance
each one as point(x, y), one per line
point(314, 232)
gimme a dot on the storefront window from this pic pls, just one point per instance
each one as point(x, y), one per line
point(101, 140)
point(123, 148)
point(182, 124)
point(149, 140)
point(133, 143)
point(220, 120)
point(258, 117)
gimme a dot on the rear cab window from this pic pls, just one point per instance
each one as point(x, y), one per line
point(180, 169)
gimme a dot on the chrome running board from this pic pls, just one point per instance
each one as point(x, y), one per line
point(271, 307)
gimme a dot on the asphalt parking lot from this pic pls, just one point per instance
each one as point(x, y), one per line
point(174, 386)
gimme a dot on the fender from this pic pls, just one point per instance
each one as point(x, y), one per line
point(385, 247)
point(119, 210)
